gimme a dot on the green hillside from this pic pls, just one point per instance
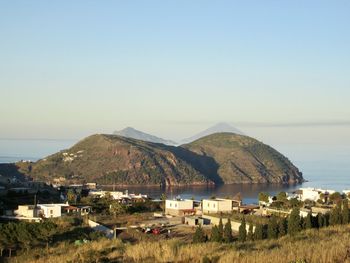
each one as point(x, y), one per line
point(242, 159)
point(112, 159)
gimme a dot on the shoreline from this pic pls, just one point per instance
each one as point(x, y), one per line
point(197, 185)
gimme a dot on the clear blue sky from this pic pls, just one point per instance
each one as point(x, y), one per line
point(72, 68)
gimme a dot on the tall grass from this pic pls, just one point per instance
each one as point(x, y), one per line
point(328, 245)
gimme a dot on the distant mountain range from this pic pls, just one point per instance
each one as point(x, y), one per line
point(130, 132)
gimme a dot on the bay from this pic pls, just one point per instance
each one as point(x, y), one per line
point(323, 166)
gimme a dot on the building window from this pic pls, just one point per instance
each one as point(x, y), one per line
point(214, 205)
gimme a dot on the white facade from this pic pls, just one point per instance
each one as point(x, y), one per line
point(27, 211)
point(117, 195)
point(217, 205)
point(179, 207)
point(179, 204)
point(50, 210)
point(313, 194)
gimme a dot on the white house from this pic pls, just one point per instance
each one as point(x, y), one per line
point(29, 211)
point(179, 207)
point(217, 205)
point(312, 194)
point(50, 210)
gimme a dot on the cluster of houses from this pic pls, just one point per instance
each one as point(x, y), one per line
point(122, 197)
point(39, 211)
point(195, 212)
point(183, 207)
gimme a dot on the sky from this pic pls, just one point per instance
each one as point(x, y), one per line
point(278, 70)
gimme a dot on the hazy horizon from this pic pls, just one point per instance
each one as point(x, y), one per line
point(70, 69)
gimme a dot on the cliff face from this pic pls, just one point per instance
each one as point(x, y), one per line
point(218, 158)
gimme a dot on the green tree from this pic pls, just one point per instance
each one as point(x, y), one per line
point(294, 202)
point(117, 209)
point(215, 235)
point(308, 221)
point(199, 236)
point(294, 222)
point(71, 196)
point(320, 220)
point(345, 212)
point(259, 232)
point(272, 228)
point(335, 216)
point(335, 197)
point(250, 235)
point(228, 232)
point(221, 228)
point(281, 196)
point(242, 231)
point(264, 197)
point(282, 227)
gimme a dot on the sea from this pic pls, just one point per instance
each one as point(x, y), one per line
point(323, 166)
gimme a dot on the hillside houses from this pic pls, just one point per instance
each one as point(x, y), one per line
point(122, 197)
point(40, 211)
point(313, 194)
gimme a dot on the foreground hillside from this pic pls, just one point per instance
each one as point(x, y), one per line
point(217, 158)
point(327, 245)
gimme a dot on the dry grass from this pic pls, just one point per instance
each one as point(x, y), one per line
point(329, 245)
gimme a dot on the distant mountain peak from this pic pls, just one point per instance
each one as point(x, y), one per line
point(224, 127)
point(216, 128)
point(131, 132)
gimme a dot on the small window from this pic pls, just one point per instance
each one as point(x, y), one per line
point(214, 205)
point(175, 205)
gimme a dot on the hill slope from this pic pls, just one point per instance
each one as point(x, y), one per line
point(109, 159)
point(325, 245)
point(139, 135)
point(218, 158)
point(242, 159)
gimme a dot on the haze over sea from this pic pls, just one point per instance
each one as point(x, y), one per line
point(323, 165)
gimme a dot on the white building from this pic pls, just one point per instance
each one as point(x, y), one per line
point(217, 205)
point(100, 193)
point(312, 194)
point(29, 211)
point(179, 207)
point(51, 210)
point(117, 195)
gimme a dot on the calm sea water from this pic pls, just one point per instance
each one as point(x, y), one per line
point(324, 166)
